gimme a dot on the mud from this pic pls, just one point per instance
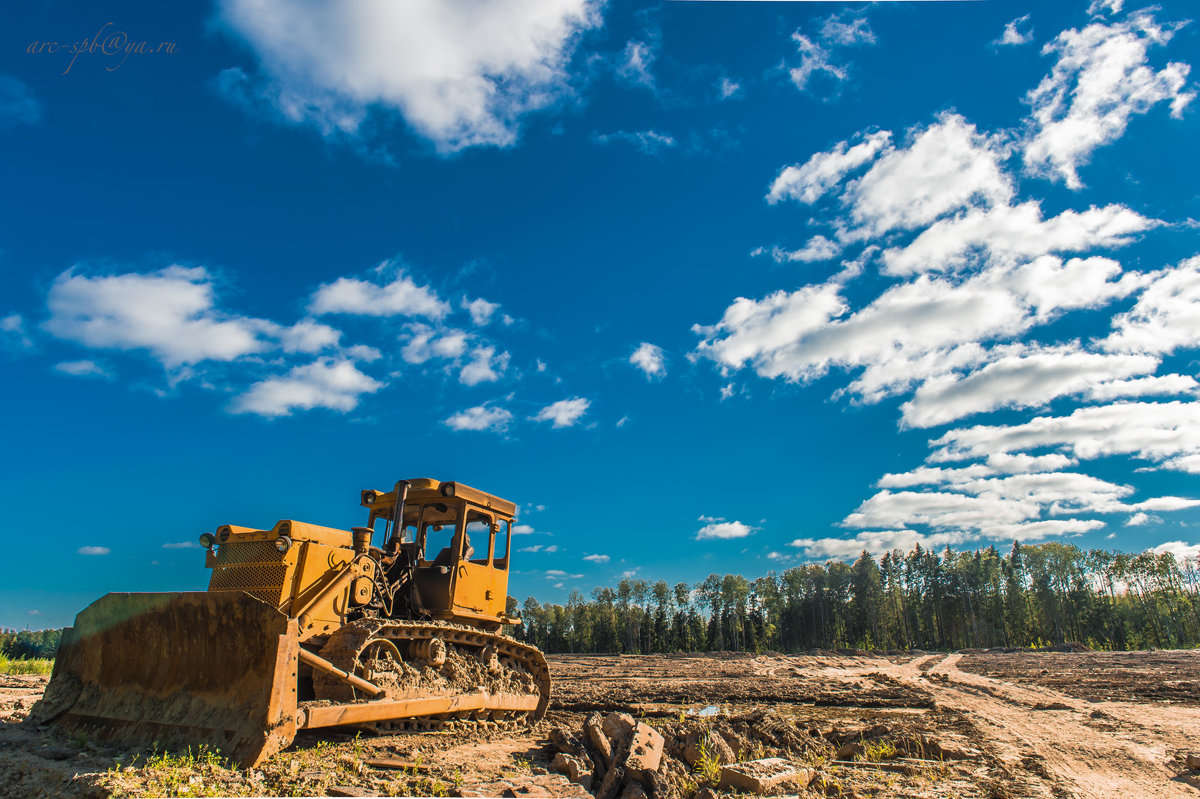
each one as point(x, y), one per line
point(921, 725)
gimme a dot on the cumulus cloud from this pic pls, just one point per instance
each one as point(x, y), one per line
point(459, 73)
point(818, 248)
point(481, 310)
point(808, 182)
point(647, 142)
point(650, 359)
point(331, 383)
point(723, 530)
point(1007, 233)
point(817, 53)
point(1100, 80)
point(485, 366)
point(949, 165)
point(399, 297)
point(1180, 549)
point(1020, 376)
point(1166, 315)
point(564, 413)
point(182, 545)
point(1166, 434)
point(597, 558)
point(1018, 31)
point(18, 106)
point(171, 313)
point(93, 550)
point(425, 342)
point(83, 369)
point(13, 333)
point(488, 418)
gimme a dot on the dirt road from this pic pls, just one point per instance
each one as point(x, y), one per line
point(1052, 743)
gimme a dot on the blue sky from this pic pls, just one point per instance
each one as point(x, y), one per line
point(702, 286)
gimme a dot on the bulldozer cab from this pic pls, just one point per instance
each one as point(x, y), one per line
point(458, 539)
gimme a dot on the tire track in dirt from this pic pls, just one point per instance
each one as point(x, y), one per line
point(1122, 751)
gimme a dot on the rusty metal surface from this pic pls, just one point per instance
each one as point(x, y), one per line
point(334, 715)
point(178, 669)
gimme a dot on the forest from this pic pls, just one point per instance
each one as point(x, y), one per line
point(1035, 595)
point(29, 645)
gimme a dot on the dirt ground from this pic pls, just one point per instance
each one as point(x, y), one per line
point(973, 724)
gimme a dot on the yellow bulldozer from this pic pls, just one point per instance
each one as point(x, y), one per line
point(304, 627)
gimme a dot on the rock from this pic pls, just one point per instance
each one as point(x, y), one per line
point(634, 790)
point(55, 752)
point(757, 776)
point(565, 741)
point(706, 793)
point(611, 783)
point(698, 743)
point(594, 732)
point(618, 727)
point(645, 752)
point(1193, 761)
point(849, 751)
point(576, 769)
point(346, 790)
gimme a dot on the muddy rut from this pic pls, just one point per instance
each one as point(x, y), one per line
point(1054, 744)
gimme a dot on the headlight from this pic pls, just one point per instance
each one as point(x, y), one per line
point(208, 540)
point(283, 543)
point(447, 489)
point(368, 497)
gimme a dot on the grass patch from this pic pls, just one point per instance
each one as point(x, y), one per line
point(19, 666)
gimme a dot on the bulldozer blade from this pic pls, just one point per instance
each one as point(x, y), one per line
point(176, 670)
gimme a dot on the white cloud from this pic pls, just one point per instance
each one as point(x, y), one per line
point(485, 366)
point(93, 550)
point(1020, 376)
point(326, 383)
point(13, 333)
point(1167, 434)
point(309, 336)
point(171, 313)
point(83, 369)
point(460, 74)
point(727, 88)
point(876, 542)
point(597, 558)
point(847, 30)
point(722, 530)
point(480, 309)
point(636, 62)
point(818, 248)
point(1166, 315)
point(650, 359)
point(484, 418)
point(1180, 549)
point(814, 60)
point(564, 413)
point(559, 574)
point(182, 545)
point(401, 297)
point(18, 106)
point(1012, 232)
point(948, 165)
point(538, 547)
point(647, 142)
point(426, 342)
point(806, 183)
point(1013, 33)
point(1100, 80)
point(1142, 518)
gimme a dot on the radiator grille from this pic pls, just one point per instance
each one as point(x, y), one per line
point(255, 567)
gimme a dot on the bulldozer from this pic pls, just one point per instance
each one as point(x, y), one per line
point(306, 627)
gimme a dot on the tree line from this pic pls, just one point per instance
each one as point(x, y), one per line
point(1035, 595)
point(27, 645)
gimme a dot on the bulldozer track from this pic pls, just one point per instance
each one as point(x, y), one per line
point(522, 669)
